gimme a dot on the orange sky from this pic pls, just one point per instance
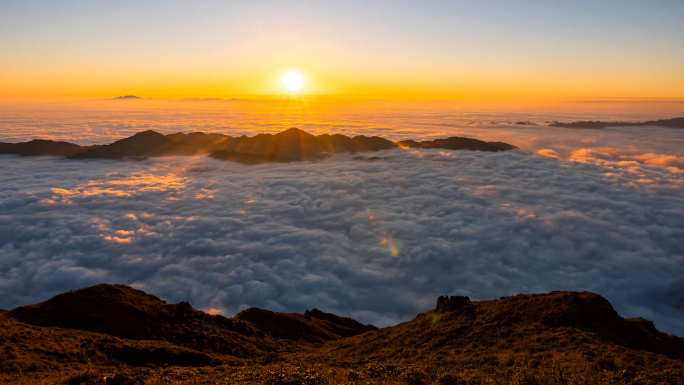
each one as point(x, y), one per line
point(439, 50)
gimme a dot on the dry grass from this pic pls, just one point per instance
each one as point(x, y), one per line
point(551, 339)
point(286, 374)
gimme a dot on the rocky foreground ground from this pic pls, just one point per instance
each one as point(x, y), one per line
point(114, 334)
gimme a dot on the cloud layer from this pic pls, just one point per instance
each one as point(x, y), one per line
point(598, 210)
point(377, 241)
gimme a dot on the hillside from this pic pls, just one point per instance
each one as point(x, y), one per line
point(288, 146)
point(151, 143)
point(554, 338)
point(563, 324)
point(146, 326)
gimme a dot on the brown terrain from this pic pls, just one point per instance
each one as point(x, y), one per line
point(288, 146)
point(114, 334)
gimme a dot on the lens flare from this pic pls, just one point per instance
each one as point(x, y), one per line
point(392, 246)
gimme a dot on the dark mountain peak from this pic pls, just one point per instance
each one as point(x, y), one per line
point(176, 136)
point(295, 144)
point(336, 143)
point(584, 310)
point(97, 308)
point(293, 131)
point(151, 143)
point(458, 143)
point(290, 145)
point(140, 145)
point(128, 313)
point(42, 147)
point(295, 134)
point(147, 135)
point(373, 143)
point(202, 135)
point(313, 326)
point(118, 310)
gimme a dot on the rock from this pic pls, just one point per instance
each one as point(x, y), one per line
point(455, 302)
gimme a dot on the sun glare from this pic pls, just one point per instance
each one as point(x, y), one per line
point(293, 81)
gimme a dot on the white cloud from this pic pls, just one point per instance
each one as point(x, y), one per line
point(377, 241)
point(603, 210)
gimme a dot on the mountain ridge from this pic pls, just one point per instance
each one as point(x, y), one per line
point(290, 145)
point(669, 123)
point(105, 325)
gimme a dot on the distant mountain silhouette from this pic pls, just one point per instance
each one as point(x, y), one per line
point(574, 332)
point(40, 147)
point(458, 143)
point(288, 146)
point(670, 123)
point(151, 143)
point(294, 145)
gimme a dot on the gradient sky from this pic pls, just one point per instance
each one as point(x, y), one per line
point(388, 49)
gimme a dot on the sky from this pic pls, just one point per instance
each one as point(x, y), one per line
point(406, 50)
point(597, 210)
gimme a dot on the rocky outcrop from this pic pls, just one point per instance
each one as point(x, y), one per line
point(446, 304)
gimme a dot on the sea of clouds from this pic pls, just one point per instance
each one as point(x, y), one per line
point(597, 210)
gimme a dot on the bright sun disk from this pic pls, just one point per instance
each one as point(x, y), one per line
point(293, 81)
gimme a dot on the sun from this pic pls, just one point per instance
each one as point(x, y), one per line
point(293, 81)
